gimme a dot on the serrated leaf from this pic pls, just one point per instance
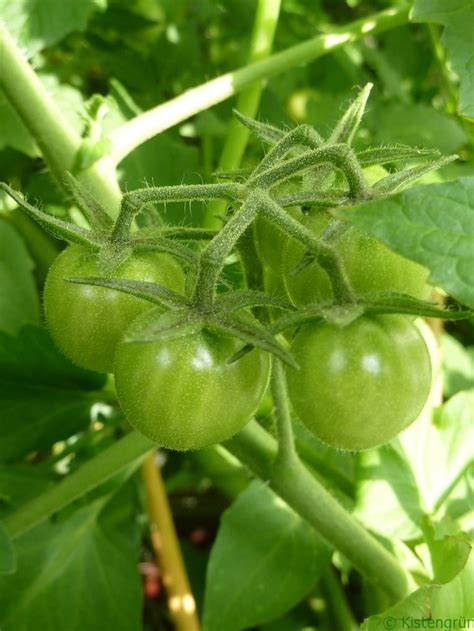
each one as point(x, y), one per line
point(43, 396)
point(387, 497)
point(457, 16)
point(19, 301)
point(449, 552)
point(432, 225)
point(71, 571)
point(7, 553)
point(38, 24)
point(261, 543)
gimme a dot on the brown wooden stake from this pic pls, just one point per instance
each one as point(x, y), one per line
point(167, 550)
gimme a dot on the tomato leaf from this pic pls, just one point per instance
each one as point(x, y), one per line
point(265, 560)
point(86, 557)
point(43, 396)
point(432, 225)
point(457, 16)
point(18, 296)
point(7, 553)
point(449, 549)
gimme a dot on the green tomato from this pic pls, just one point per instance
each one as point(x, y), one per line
point(370, 266)
point(87, 322)
point(360, 385)
point(182, 393)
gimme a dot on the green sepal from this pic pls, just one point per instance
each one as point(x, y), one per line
point(157, 325)
point(56, 227)
point(395, 182)
point(234, 174)
point(322, 199)
point(382, 155)
point(393, 302)
point(265, 132)
point(95, 214)
point(236, 300)
point(152, 292)
point(253, 333)
point(167, 246)
point(349, 122)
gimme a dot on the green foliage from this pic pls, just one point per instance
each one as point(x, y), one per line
point(261, 542)
point(416, 225)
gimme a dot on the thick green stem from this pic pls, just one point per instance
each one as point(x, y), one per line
point(55, 137)
point(266, 20)
point(255, 448)
point(147, 125)
point(91, 474)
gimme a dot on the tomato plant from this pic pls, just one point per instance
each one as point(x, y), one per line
point(183, 393)
point(264, 207)
point(88, 322)
point(360, 385)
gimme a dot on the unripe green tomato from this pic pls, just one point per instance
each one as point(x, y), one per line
point(182, 393)
point(370, 266)
point(360, 385)
point(86, 321)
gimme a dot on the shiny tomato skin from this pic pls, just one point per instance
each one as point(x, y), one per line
point(370, 266)
point(360, 385)
point(87, 322)
point(182, 393)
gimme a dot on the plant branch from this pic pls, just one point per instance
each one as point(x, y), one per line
point(257, 449)
point(91, 474)
point(286, 446)
point(55, 137)
point(165, 543)
point(147, 125)
point(266, 20)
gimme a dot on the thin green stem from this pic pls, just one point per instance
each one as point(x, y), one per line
point(255, 448)
point(324, 252)
point(91, 474)
point(286, 444)
point(340, 613)
point(147, 125)
point(266, 20)
point(213, 256)
point(55, 137)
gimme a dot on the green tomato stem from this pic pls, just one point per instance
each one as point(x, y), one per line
point(55, 137)
point(113, 459)
point(255, 448)
point(266, 20)
point(286, 444)
point(147, 125)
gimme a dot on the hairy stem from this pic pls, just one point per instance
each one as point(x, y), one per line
point(147, 125)
point(266, 19)
point(165, 543)
point(53, 134)
point(286, 444)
